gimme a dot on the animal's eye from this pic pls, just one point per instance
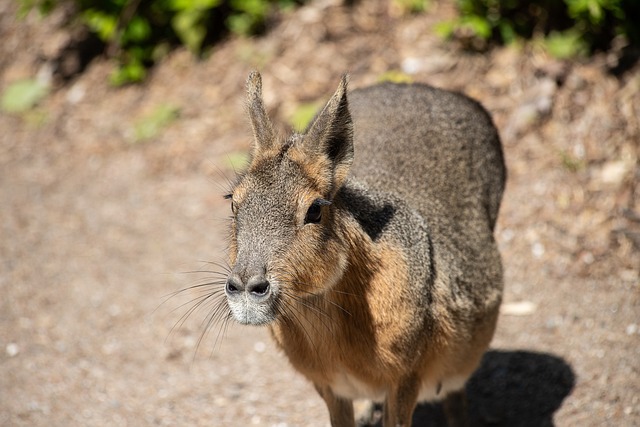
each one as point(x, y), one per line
point(314, 213)
point(234, 206)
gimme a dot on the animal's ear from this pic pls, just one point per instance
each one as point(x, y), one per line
point(331, 134)
point(263, 133)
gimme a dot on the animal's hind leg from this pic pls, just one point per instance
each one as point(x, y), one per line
point(340, 410)
point(456, 409)
point(401, 402)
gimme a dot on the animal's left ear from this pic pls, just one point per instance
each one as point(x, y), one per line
point(331, 135)
point(263, 134)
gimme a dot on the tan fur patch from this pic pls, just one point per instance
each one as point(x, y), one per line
point(315, 168)
point(361, 327)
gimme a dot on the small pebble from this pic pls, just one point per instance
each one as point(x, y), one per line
point(12, 349)
point(411, 65)
point(614, 172)
point(522, 308)
point(537, 250)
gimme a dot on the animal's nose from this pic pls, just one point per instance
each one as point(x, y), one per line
point(234, 285)
point(257, 286)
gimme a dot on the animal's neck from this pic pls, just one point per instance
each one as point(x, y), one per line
point(320, 316)
point(310, 328)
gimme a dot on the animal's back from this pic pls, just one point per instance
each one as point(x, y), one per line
point(438, 150)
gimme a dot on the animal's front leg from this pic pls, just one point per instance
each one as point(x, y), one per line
point(456, 409)
point(340, 410)
point(400, 402)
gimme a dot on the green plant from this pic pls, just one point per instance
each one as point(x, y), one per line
point(566, 44)
point(23, 95)
point(395, 76)
point(303, 115)
point(572, 27)
point(150, 125)
point(137, 33)
point(571, 162)
point(44, 7)
point(412, 6)
point(237, 160)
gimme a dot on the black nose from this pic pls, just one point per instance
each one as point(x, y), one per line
point(234, 285)
point(257, 286)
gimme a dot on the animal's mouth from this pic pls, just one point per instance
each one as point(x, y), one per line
point(248, 312)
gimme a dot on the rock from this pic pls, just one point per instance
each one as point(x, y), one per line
point(522, 308)
point(614, 172)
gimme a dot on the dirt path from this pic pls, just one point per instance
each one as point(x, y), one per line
point(95, 230)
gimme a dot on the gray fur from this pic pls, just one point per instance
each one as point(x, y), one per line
point(440, 153)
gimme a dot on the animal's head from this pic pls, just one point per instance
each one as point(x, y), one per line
point(285, 245)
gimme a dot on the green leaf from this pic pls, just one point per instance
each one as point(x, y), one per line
point(249, 14)
point(240, 23)
point(479, 25)
point(257, 8)
point(101, 23)
point(412, 6)
point(131, 72)
point(23, 95)
point(507, 32)
point(445, 29)
point(181, 5)
point(138, 30)
point(566, 44)
point(189, 28)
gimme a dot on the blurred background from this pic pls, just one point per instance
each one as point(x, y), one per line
point(122, 123)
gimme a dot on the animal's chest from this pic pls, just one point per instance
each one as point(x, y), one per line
point(349, 386)
point(362, 340)
point(354, 361)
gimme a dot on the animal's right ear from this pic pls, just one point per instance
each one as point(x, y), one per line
point(263, 133)
point(330, 135)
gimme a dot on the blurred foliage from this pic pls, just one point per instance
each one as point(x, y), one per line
point(566, 44)
point(150, 125)
point(140, 32)
point(411, 6)
point(571, 163)
point(23, 95)
point(237, 160)
point(568, 27)
point(303, 114)
point(395, 76)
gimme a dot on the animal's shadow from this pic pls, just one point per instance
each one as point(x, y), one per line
point(511, 388)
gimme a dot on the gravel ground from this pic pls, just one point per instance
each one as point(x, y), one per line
point(98, 229)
